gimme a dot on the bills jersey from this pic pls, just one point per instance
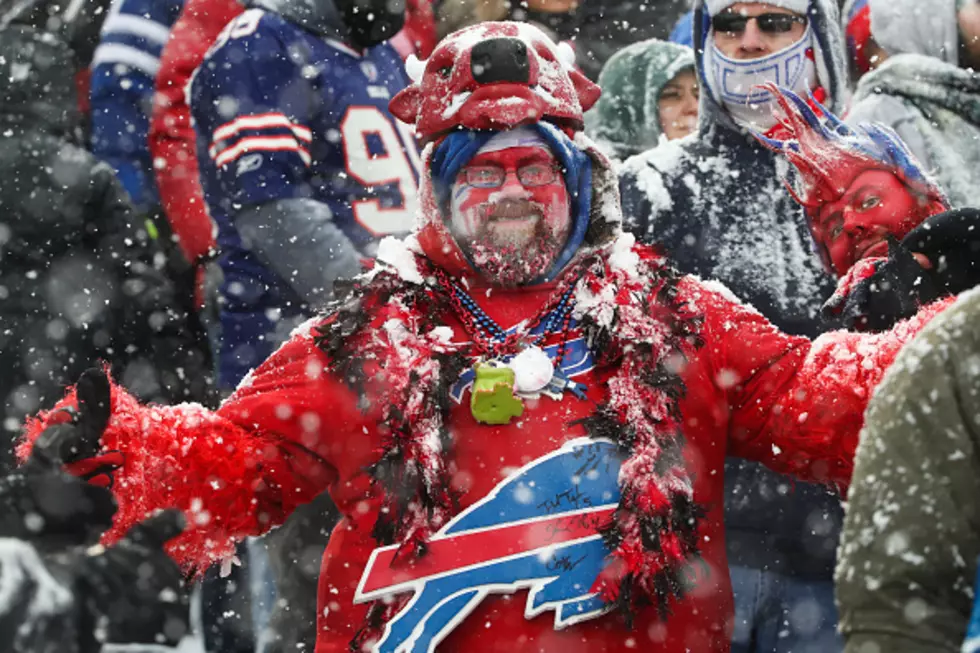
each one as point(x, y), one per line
point(283, 113)
point(124, 70)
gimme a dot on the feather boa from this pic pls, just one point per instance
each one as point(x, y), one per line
point(627, 303)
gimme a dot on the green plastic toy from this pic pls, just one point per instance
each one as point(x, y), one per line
point(492, 400)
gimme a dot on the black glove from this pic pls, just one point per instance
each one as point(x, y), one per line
point(951, 242)
point(894, 291)
point(43, 503)
point(133, 591)
point(77, 442)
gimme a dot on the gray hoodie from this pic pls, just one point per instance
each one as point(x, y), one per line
point(923, 94)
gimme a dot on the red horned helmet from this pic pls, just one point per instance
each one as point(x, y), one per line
point(494, 76)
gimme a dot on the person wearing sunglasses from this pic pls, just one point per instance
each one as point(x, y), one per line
point(716, 204)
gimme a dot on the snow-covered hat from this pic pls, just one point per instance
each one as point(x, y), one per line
point(798, 6)
point(494, 76)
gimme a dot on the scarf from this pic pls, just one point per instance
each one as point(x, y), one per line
point(627, 303)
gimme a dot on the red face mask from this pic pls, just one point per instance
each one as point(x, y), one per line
point(875, 205)
point(510, 213)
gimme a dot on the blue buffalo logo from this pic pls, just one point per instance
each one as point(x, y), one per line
point(537, 530)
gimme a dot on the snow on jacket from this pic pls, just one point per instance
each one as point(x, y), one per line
point(77, 275)
point(37, 612)
point(626, 119)
point(716, 203)
point(295, 428)
point(124, 69)
point(923, 94)
point(908, 557)
point(172, 141)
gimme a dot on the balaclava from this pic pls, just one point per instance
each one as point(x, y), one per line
point(733, 82)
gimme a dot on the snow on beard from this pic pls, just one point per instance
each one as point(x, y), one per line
point(512, 233)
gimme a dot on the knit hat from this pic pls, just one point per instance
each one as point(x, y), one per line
point(915, 27)
point(717, 6)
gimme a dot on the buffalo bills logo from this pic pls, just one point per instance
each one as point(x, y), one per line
point(537, 530)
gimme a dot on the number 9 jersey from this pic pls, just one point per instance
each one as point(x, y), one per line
point(303, 170)
point(284, 113)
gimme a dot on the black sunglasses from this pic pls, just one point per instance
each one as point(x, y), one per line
point(731, 22)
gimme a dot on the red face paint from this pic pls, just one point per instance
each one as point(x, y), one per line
point(875, 205)
point(512, 232)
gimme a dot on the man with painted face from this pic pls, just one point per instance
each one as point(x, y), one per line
point(518, 410)
point(881, 223)
point(717, 205)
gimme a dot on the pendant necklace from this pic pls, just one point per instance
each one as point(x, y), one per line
point(514, 361)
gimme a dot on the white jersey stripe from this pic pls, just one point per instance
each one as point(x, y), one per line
point(137, 26)
point(117, 53)
point(262, 144)
point(262, 121)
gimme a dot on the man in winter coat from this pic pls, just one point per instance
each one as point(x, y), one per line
point(78, 274)
point(61, 594)
point(302, 165)
point(928, 90)
point(717, 205)
point(649, 93)
point(879, 221)
point(906, 580)
point(516, 401)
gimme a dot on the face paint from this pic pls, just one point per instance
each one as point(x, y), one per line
point(875, 205)
point(510, 213)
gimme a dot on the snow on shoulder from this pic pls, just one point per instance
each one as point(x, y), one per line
point(400, 256)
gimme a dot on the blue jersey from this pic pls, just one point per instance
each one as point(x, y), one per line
point(124, 69)
point(282, 113)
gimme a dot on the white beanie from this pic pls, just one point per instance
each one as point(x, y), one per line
point(715, 7)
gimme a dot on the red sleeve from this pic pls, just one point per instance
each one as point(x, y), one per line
point(795, 405)
point(172, 139)
point(235, 472)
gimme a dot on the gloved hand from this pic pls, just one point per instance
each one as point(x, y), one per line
point(878, 292)
point(133, 592)
point(76, 442)
point(41, 501)
point(950, 243)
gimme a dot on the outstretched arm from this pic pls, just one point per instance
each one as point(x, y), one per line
point(793, 404)
point(234, 472)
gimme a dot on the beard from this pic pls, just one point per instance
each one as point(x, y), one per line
point(515, 244)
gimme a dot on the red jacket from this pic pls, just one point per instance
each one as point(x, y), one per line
point(173, 142)
point(293, 430)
